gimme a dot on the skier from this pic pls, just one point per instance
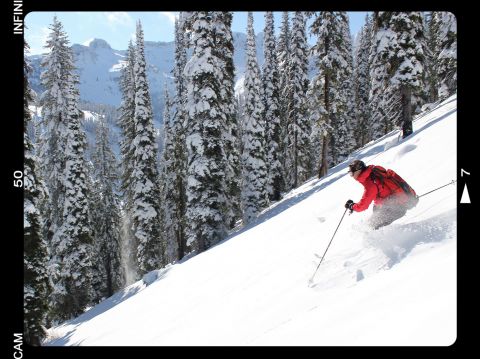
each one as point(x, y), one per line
point(391, 195)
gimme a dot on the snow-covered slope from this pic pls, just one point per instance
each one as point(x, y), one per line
point(393, 286)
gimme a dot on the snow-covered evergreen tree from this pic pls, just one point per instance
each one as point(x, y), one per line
point(144, 181)
point(127, 127)
point(73, 241)
point(405, 59)
point(283, 49)
point(298, 153)
point(57, 66)
point(63, 148)
point(223, 50)
point(177, 205)
point(420, 95)
point(362, 84)
point(206, 207)
point(240, 103)
point(283, 59)
point(97, 283)
point(317, 114)
point(169, 194)
point(343, 142)
point(271, 101)
point(126, 120)
point(36, 286)
point(254, 191)
point(329, 53)
point(382, 120)
point(109, 273)
point(431, 56)
point(447, 53)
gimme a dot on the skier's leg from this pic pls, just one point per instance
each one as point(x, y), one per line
point(386, 214)
point(376, 219)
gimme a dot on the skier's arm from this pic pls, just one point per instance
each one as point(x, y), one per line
point(368, 196)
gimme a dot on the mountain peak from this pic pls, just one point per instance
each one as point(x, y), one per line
point(97, 43)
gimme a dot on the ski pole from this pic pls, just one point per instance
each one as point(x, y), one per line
point(321, 260)
point(433, 190)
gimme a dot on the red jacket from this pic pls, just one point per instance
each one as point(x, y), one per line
point(376, 192)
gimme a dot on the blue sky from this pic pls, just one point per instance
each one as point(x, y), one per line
point(117, 28)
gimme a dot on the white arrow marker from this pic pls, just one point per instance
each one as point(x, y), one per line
point(465, 197)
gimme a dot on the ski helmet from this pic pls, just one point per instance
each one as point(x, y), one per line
point(357, 165)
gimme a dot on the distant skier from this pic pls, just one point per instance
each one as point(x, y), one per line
point(392, 196)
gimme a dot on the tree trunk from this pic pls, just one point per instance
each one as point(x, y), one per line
point(180, 232)
point(108, 267)
point(406, 111)
point(323, 162)
point(322, 171)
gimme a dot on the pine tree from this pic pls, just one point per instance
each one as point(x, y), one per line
point(331, 64)
point(57, 67)
point(126, 119)
point(240, 104)
point(316, 115)
point(381, 94)
point(169, 194)
point(385, 99)
point(206, 207)
point(254, 195)
point(63, 148)
point(420, 95)
point(106, 216)
point(405, 58)
point(343, 142)
point(73, 241)
point(283, 59)
point(298, 158)
point(177, 129)
point(362, 84)
point(144, 181)
point(36, 285)
point(223, 50)
point(271, 102)
point(447, 56)
point(431, 56)
point(127, 127)
point(98, 280)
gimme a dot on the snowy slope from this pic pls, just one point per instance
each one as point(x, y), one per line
point(394, 286)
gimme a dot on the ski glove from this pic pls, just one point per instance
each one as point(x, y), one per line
point(349, 205)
